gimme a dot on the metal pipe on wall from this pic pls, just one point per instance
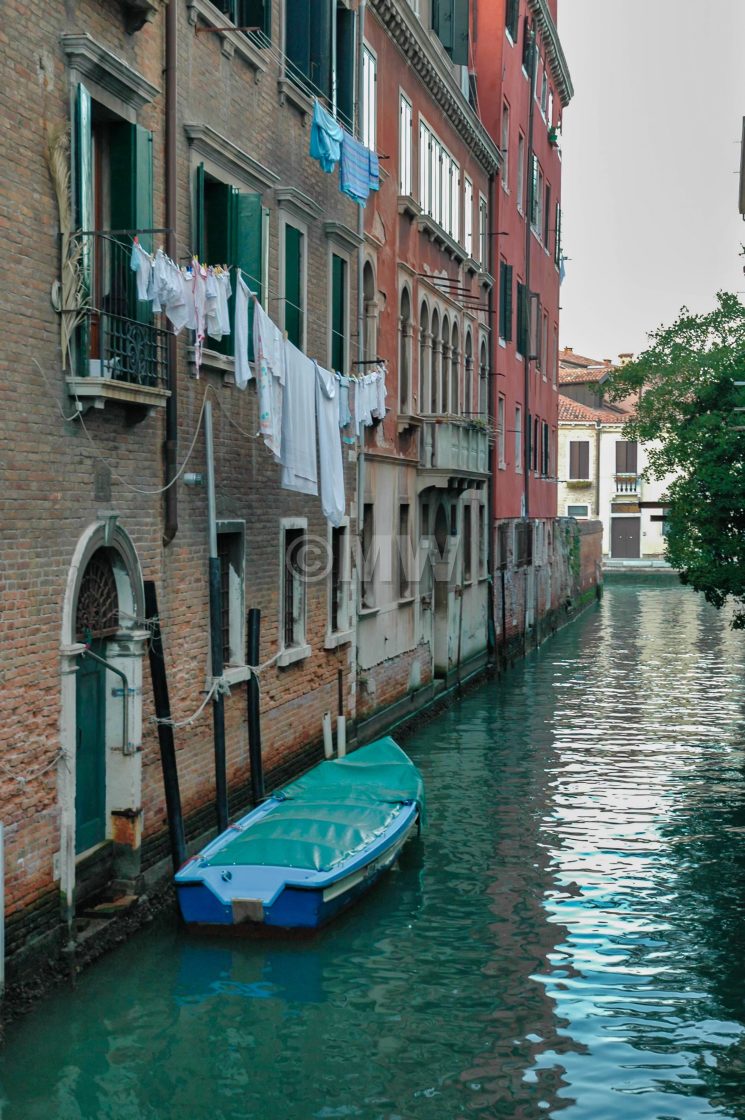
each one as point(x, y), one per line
point(170, 446)
point(218, 702)
point(254, 710)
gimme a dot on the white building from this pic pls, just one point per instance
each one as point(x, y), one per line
point(600, 473)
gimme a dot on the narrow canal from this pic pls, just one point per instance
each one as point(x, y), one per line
point(566, 939)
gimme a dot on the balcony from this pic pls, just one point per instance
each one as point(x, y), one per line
point(627, 484)
point(121, 352)
point(452, 447)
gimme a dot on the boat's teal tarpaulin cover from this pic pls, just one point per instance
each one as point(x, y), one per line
point(332, 812)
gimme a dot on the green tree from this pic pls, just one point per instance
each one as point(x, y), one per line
point(686, 391)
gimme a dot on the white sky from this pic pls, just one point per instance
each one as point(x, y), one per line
point(650, 147)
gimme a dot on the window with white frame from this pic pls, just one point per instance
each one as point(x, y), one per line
point(483, 232)
point(483, 542)
point(506, 146)
point(339, 602)
point(369, 95)
point(292, 582)
point(536, 197)
point(578, 511)
point(404, 146)
point(521, 173)
point(518, 439)
point(231, 537)
point(500, 430)
point(468, 216)
point(439, 182)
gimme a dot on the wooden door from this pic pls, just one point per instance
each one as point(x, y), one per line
point(625, 538)
point(90, 772)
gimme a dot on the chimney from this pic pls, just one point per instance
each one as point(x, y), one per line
point(608, 361)
point(624, 359)
point(569, 349)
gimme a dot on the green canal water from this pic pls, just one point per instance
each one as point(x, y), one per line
point(565, 940)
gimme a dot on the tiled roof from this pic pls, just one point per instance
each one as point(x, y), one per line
point(571, 376)
point(571, 412)
point(569, 358)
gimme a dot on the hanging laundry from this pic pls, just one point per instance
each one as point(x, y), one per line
point(242, 367)
point(380, 393)
point(325, 137)
point(200, 310)
point(329, 446)
point(269, 356)
point(224, 292)
point(354, 169)
point(374, 171)
point(299, 470)
point(345, 416)
point(142, 263)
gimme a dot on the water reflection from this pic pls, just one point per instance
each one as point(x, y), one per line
point(565, 941)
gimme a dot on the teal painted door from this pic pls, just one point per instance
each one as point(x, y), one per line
point(90, 773)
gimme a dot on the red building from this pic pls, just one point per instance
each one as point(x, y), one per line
point(523, 86)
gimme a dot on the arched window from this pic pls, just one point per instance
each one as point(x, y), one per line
point(445, 371)
point(455, 405)
point(483, 375)
point(434, 383)
point(469, 397)
point(97, 612)
point(370, 322)
point(425, 353)
point(404, 354)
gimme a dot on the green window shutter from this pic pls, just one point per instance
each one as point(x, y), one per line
point(297, 30)
point(320, 46)
point(293, 285)
point(442, 22)
point(522, 320)
point(255, 13)
point(143, 169)
point(83, 152)
point(338, 312)
point(199, 230)
point(250, 252)
point(461, 19)
point(345, 56)
point(508, 303)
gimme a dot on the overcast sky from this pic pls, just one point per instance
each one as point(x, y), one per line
point(650, 146)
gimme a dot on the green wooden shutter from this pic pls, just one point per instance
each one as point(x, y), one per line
point(297, 32)
point(293, 283)
point(345, 56)
point(199, 218)
point(508, 303)
point(249, 254)
point(83, 151)
point(320, 46)
point(338, 312)
point(442, 22)
point(143, 187)
point(459, 51)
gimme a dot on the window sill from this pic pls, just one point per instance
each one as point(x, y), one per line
point(289, 92)
point(232, 42)
point(434, 231)
point(215, 362)
point(503, 342)
point(503, 465)
point(409, 206)
point(236, 674)
point(93, 392)
point(340, 638)
point(407, 600)
point(368, 612)
point(293, 654)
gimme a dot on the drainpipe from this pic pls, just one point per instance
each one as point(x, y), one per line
point(529, 207)
point(490, 411)
point(126, 749)
point(170, 447)
point(597, 470)
point(215, 591)
point(360, 292)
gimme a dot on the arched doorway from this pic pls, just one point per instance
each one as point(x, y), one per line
point(96, 620)
point(103, 644)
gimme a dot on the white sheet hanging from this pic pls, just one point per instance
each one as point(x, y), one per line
point(269, 356)
point(329, 446)
point(299, 470)
point(242, 368)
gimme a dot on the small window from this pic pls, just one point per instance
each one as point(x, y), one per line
point(467, 542)
point(369, 98)
point(521, 173)
point(484, 232)
point(311, 60)
point(518, 438)
point(536, 431)
point(579, 459)
point(523, 544)
point(505, 301)
point(251, 16)
point(468, 216)
point(626, 457)
point(521, 341)
point(339, 620)
point(503, 541)
point(483, 542)
point(367, 560)
point(547, 216)
point(293, 296)
point(511, 19)
point(545, 450)
point(527, 45)
point(230, 552)
point(578, 511)
point(506, 146)
point(404, 147)
point(403, 545)
point(536, 196)
point(293, 587)
point(500, 430)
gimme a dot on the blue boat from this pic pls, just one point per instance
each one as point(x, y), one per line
point(311, 849)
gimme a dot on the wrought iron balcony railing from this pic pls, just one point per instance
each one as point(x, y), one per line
point(118, 337)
